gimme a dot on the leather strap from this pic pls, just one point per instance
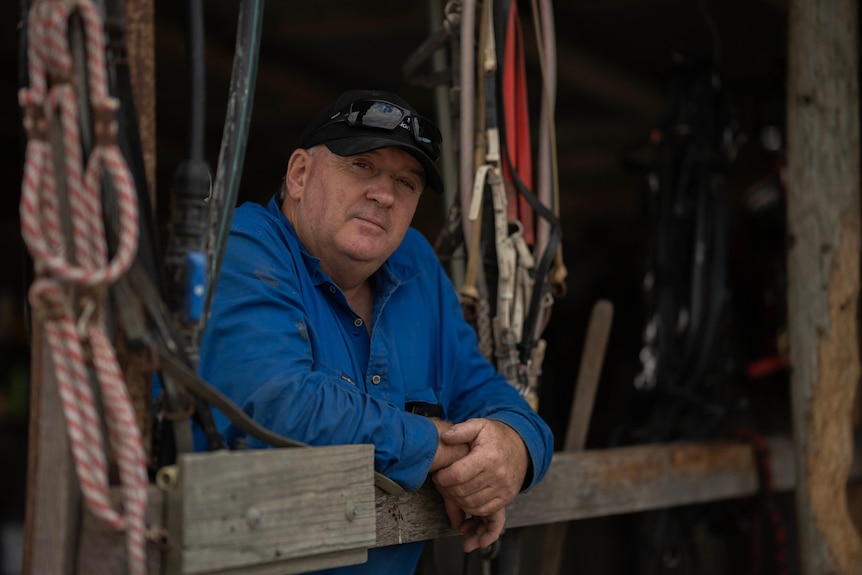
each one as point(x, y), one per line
point(517, 123)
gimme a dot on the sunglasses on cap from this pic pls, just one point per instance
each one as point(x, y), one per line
point(385, 115)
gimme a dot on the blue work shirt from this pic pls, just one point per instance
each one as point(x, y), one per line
point(283, 344)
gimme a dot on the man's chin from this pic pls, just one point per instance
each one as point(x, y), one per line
point(368, 243)
point(367, 251)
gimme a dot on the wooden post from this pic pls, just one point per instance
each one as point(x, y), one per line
point(140, 45)
point(589, 374)
point(823, 273)
point(53, 499)
point(140, 34)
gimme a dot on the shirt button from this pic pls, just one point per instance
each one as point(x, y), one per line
point(358, 322)
point(375, 379)
point(331, 288)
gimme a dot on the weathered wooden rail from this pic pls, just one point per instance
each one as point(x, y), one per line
point(293, 510)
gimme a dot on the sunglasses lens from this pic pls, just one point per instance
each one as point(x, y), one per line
point(388, 116)
point(375, 114)
point(428, 136)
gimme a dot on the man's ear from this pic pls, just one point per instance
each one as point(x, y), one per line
point(297, 173)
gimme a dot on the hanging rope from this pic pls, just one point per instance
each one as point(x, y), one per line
point(68, 294)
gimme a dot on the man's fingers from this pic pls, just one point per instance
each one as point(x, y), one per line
point(455, 513)
point(459, 478)
point(471, 529)
point(462, 471)
point(481, 503)
point(492, 533)
point(476, 490)
point(465, 432)
point(480, 532)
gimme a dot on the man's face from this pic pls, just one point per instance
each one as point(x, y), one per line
point(352, 210)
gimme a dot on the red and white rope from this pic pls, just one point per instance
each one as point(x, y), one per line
point(75, 331)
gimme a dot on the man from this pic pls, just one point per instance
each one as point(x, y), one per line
point(335, 323)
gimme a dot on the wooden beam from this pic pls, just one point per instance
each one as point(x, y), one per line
point(578, 485)
point(270, 511)
point(605, 482)
point(823, 273)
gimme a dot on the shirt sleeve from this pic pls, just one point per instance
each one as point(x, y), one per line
point(257, 349)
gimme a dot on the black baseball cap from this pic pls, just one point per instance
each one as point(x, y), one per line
point(364, 120)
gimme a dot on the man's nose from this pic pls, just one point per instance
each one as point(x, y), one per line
point(382, 189)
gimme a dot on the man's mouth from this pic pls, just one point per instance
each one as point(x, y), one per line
point(372, 221)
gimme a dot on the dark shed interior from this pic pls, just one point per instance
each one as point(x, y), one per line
point(628, 75)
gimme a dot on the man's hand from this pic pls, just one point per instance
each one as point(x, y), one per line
point(485, 480)
point(477, 532)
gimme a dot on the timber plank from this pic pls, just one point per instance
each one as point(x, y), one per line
point(632, 479)
point(579, 485)
point(411, 517)
point(602, 482)
point(242, 510)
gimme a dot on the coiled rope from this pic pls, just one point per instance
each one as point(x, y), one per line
point(68, 293)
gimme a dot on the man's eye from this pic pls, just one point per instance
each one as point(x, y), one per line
point(409, 184)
